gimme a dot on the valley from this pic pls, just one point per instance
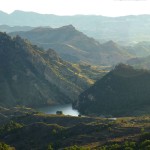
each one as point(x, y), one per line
point(77, 82)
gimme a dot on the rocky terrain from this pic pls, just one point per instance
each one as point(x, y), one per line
point(33, 77)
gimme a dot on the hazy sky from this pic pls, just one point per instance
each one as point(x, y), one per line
point(72, 7)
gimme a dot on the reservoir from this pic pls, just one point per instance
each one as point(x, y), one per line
point(65, 108)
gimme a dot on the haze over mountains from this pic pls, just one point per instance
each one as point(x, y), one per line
point(143, 62)
point(98, 64)
point(70, 72)
point(72, 45)
point(6, 28)
point(123, 29)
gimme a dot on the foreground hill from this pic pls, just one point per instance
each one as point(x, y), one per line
point(27, 129)
point(124, 91)
point(31, 76)
point(72, 45)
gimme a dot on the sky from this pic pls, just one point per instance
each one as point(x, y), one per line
point(74, 7)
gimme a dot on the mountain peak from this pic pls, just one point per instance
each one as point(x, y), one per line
point(24, 14)
point(18, 12)
point(111, 43)
point(125, 70)
point(122, 66)
point(69, 27)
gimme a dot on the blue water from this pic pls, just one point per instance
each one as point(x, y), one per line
point(65, 108)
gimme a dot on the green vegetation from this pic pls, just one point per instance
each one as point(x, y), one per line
point(124, 91)
point(50, 147)
point(51, 132)
point(143, 144)
point(4, 146)
point(10, 127)
point(33, 77)
point(75, 147)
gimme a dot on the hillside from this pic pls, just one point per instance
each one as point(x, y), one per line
point(72, 45)
point(28, 129)
point(30, 76)
point(124, 91)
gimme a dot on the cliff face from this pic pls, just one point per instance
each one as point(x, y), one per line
point(124, 91)
point(30, 76)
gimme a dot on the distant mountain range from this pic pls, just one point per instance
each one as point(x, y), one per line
point(143, 62)
point(32, 77)
point(6, 28)
point(141, 49)
point(127, 28)
point(124, 91)
point(72, 45)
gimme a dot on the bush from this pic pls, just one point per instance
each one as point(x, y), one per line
point(145, 145)
point(145, 136)
point(50, 147)
point(9, 127)
point(75, 147)
point(4, 146)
